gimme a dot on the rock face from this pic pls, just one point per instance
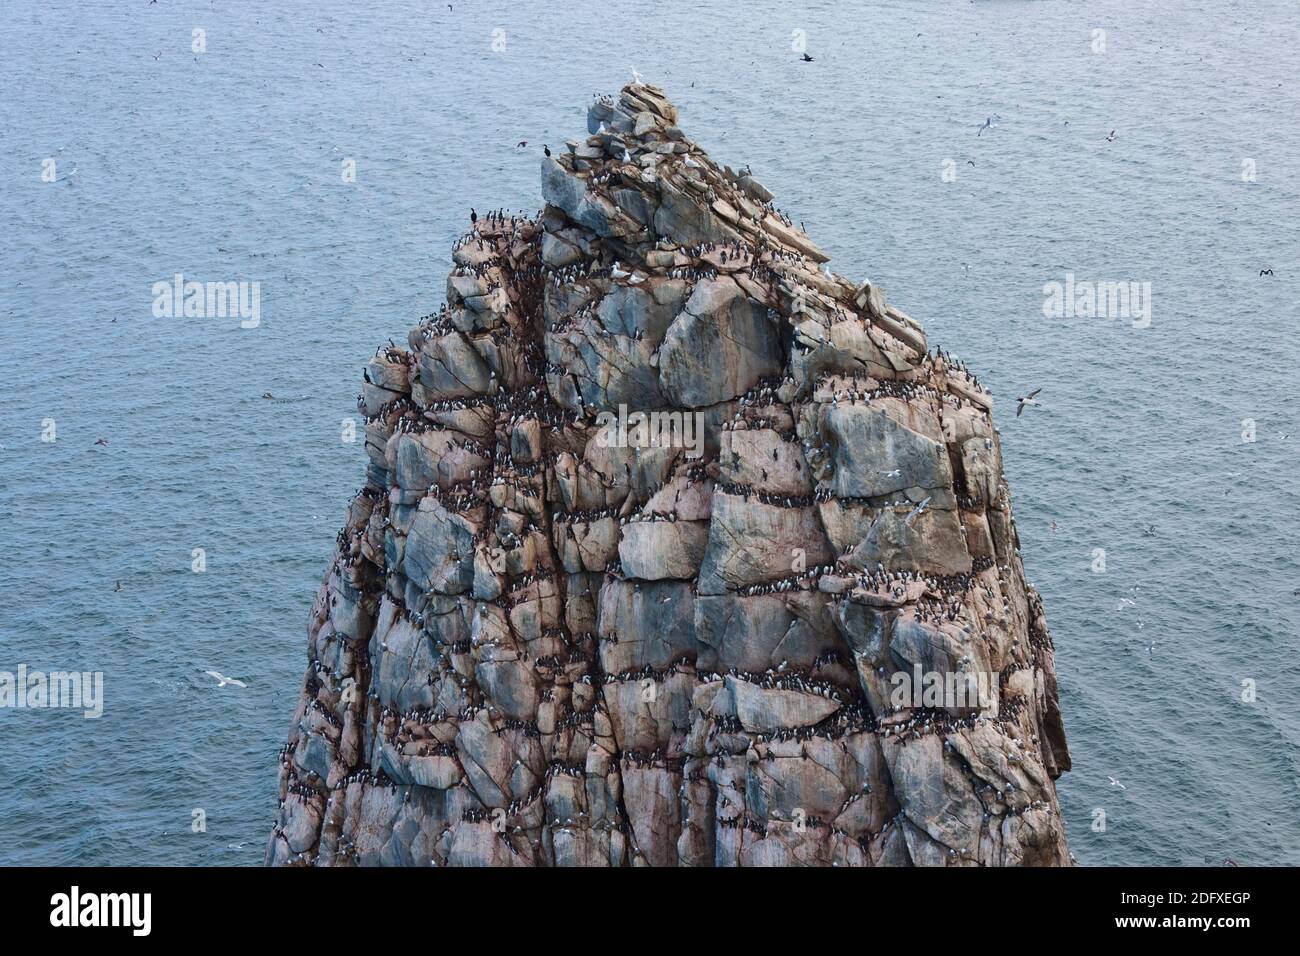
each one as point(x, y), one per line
point(562, 630)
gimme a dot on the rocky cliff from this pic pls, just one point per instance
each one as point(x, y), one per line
point(562, 630)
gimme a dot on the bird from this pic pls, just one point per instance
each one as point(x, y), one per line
point(546, 150)
point(970, 162)
point(101, 441)
point(118, 588)
point(473, 216)
point(988, 124)
point(1151, 647)
point(1126, 602)
point(806, 58)
point(157, 55)
point(915, 513)
point(1116, 783)
point(222, 680)
point(1149, 531)
point(521, 144)
point(1266, 272)
point(636, 77)
point(1111, 137)
point(1026, 401)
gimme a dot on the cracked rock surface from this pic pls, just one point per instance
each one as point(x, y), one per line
point(546, 640)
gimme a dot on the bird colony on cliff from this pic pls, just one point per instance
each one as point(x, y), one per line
point(658, 509)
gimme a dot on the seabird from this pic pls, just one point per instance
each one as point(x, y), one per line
point(222, 680)
point(1027, 400)
point(101, 441)
point(806, 58)
point(118, 588)
point(1116, 783)
point(546, 150)
point(988, 124)
point(1111, 137)
point(915, 513)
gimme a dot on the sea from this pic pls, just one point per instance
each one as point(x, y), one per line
point(966, 156)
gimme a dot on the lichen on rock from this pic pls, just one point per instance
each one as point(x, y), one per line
point(538, 646)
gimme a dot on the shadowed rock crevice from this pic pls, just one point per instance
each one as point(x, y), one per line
point(537, 645)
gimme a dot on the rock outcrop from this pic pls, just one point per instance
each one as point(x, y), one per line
point(559, 630)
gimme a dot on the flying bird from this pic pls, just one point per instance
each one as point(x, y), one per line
point(915, 513)
point(1111, 137)
point(222, 680)
point(1116, 783)
point(1266, 272)
point(988, 124)
point(806, 58)
point(1026, 401)
point(101, 441)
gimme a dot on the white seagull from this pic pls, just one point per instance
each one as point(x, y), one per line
point(1116, 783)
point(222, 680)
point(915, 513)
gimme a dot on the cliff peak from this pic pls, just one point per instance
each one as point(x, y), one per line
point(675, 548)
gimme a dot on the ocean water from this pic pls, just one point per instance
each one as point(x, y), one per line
point(226, 165)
